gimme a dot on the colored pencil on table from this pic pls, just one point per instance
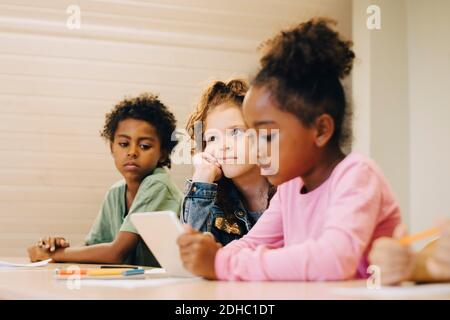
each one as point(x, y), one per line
point(407, 240)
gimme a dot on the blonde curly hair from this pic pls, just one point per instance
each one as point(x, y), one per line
point(217, 93)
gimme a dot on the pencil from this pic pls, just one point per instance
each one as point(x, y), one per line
point(94, 272)
point(407, 240)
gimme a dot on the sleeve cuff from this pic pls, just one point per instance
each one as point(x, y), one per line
point(200, 190)
point(219, 265)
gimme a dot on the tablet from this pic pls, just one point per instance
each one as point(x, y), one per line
point(160, 230)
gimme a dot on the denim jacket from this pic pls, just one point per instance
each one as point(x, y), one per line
point(201, 211)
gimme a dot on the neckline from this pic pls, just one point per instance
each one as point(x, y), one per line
point(324, 183)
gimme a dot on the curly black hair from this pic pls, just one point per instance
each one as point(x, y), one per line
point(149, 108)
point(302, 68)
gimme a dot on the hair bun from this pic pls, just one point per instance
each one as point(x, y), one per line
point(311, 49)
point(238, 86)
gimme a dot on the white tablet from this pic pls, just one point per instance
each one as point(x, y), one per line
point(160, 230)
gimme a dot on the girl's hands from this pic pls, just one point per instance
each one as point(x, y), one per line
point(206, 168)
point(198, 252)
point(395, 260)
point(438, 264)
point(52, 243)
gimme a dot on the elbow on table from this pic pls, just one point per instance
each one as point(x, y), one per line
point(116, 256)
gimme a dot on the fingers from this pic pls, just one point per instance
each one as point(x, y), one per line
point(47, 242)
point(188, 228)
point(442, 252)
point(394, 260)
point(186, 239)
point(387, 249)
point(400, 231)
point(209, 234)
point(211, 159)
point(52, 243)
point(62, 243)
point(439, 270)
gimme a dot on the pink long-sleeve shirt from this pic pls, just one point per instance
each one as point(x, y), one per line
point(324, 234)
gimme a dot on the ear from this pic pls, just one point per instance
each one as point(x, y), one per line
point(324, 125)
point(111, 146)
point(163, 157)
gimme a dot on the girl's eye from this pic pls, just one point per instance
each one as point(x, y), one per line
point(269, 137)
point(145, 146)
point(123, 144)
point(210, 139)
point(237, 132)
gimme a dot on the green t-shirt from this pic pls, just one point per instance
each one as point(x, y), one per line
point(156, 193)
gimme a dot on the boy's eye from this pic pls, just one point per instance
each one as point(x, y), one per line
point(145, 146)
point(123, 144)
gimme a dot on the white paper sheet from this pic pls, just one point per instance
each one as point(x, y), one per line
point(5, 264)
point(131, 284)
point(155, 271)
point(408, 291)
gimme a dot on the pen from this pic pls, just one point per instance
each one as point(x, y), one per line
point(119, 267)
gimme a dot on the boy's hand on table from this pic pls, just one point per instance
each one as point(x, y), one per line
point(198, 252)
point(395, 260)
point(36, 253)
point(45, 247)
point(438, 264)
point(52, 243)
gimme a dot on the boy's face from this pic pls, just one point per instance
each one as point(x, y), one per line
point(294, 155)
point(136, 149)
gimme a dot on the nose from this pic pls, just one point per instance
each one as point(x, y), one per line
point(132, 151)
point(224, 149)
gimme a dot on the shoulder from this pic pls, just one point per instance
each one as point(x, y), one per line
point(116, 189)
point(356, 166)
point(160, 181)
point(358, 173)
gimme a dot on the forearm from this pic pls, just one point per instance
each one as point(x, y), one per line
point(327, 258)
point(98, 253)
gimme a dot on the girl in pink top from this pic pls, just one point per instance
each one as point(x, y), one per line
point(329, 207)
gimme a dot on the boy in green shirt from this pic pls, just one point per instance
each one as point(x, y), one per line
point(139, 132)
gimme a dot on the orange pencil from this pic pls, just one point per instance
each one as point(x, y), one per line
point(407, 240)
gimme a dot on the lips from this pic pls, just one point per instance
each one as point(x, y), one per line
point(264, 164)
point(227, 160)
point(131, 166)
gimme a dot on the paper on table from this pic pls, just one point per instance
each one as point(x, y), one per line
point(155, 271)
point(423, 290)
point(131, 284)
point(4, 264)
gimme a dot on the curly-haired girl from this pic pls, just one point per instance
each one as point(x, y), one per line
point(227, 193)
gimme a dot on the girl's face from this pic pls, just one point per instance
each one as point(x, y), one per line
point(226, 139)
point(136, 149)
point(279, 130)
